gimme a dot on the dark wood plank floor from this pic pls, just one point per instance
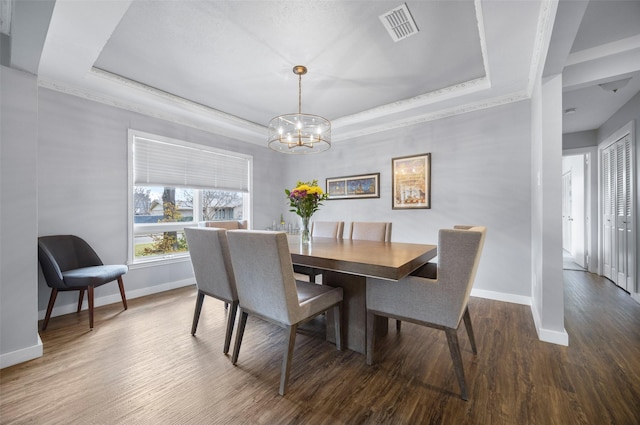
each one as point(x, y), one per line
point(142, 366)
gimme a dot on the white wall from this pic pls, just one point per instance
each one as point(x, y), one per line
point(82, 184)
point(546, 231)
point(480, 175)
point(19, 340)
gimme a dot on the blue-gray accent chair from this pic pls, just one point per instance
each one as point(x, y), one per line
point(439, 303)
point(267, 288)
point(69, 264)
point(211, 262)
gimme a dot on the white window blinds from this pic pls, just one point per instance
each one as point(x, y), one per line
point(168, 162)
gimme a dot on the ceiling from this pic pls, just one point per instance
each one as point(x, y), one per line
point(226, 66)
point(606, 48)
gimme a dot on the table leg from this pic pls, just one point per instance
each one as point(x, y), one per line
point(354, 310)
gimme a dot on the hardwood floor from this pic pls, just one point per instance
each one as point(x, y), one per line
point(142, 366)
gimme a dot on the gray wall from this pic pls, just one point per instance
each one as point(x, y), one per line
point(19, 338)
point(481, 174)
point(82, 185)
point(481, 164)
point(580, 139)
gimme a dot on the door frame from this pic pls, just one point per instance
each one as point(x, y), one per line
point(591, 211)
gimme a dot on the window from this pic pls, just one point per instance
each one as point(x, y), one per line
point(176, 184)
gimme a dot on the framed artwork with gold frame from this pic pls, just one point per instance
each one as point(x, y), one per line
point(411, 182)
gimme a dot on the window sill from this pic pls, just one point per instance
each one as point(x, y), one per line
point(170, 259)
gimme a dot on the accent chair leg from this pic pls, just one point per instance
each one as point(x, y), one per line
point(121, 286)
point(371, 336)
point(454, 349)
point(231, 320)
point(398, 325)
point(467, 324)
point(90, 292)
point(196, 312)
point(52, 300)
point(286, 361)
point(80, 299)
point(239, 334)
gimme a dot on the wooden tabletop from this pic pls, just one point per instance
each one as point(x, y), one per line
point(385, 260)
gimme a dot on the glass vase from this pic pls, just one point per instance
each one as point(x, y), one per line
point(305, 236)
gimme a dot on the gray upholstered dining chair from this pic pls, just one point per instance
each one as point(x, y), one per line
point(209, 251)
point(68, 263)
point(370, 231)
point(267, 288)
point(321, 229)
point(440, 303)
point(327, 229)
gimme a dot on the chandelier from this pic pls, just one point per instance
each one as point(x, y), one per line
point(299, 133)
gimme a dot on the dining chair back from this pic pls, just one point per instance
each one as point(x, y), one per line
point(440, 303)
point(321, 229)
point(211, 261)
point(370, 231)
point(69, 263)
point(267, 288)
point(327, 229)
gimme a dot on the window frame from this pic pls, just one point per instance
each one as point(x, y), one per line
point(145, 228)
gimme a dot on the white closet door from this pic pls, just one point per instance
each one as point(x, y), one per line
point(618, 194)
point(624, 218)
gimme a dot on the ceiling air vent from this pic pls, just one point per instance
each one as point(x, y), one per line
point(399, 23)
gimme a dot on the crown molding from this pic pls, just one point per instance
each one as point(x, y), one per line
point(544, 30)
point(430, 116)
point(145, 100)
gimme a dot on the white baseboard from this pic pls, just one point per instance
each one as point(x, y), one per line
point(548, 335)
point(22, 355)
point(501, 296)
point(115, 298)
point(636, 297)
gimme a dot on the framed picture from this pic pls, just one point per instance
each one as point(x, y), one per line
point(411, 182)
point(354, 187)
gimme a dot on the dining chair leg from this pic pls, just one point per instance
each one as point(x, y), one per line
point(371, 332)
point(239, 334)
point(196, 312)
point(52, 300)
point(337, 322)
point(90, 297)
point(467, 324)
point(454, 349)
point(286, 361)
point(122, 295)
point(231, 320)
point(80, 299)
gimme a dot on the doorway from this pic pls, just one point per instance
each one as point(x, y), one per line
point(574, 211)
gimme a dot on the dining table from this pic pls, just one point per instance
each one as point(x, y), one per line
point(348, 264)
